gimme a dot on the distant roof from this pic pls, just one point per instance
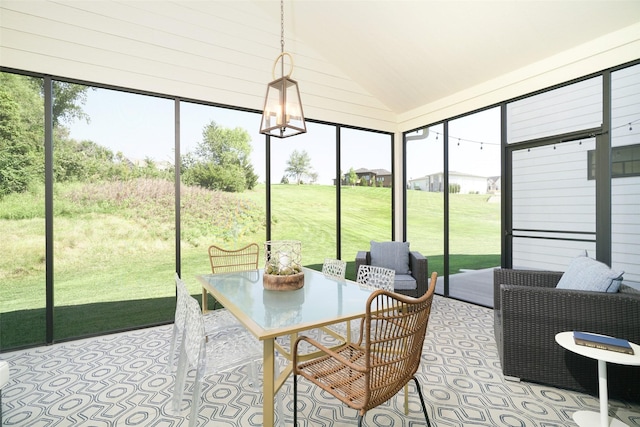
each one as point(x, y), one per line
point(374, 171)
point(451, 173)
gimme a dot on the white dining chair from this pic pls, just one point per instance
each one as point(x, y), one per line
point(213, 321)
point(334, 268)
point(224, 349)
point(373, 278)
point(4, 379)
point(376, 277)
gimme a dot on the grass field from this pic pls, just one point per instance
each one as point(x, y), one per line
point(114, 244)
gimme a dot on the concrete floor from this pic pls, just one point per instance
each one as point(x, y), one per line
point(474, 286)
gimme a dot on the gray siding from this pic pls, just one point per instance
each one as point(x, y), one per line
point(625, 191)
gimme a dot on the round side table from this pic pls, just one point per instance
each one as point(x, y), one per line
point(590, 418)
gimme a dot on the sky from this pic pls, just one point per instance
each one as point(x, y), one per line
point(143, 126)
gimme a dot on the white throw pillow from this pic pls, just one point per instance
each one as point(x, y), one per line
point(587, 274)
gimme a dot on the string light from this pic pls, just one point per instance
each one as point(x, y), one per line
point(630, 124)
point(459, 140)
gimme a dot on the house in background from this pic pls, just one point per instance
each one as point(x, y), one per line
point(494, 184)
point(382, 177)
point(468, 184)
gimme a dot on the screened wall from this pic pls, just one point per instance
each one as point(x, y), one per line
point(574, 182)
point(568, 162)
point(107, 192)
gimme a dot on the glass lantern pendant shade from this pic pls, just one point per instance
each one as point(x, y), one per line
point(282, 115)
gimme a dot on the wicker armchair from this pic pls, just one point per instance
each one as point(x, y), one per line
point(529, 312)
point(371, 371)
point(417, 264)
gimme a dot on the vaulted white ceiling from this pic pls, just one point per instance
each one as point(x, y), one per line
point(409, 53)
point(373, 59)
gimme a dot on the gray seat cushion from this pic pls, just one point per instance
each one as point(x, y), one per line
point(405, 282)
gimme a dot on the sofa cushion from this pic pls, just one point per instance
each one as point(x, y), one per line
point(405, 282)
point(587, 274)
point(392, 255)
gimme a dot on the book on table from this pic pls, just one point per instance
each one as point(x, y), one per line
point(602, 342)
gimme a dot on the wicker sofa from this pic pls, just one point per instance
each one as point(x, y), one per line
point(529, 312)
point(417, 264)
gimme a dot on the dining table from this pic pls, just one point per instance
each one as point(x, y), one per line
point(268, 314)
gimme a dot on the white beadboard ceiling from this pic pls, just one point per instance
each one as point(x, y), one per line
point(371, 58)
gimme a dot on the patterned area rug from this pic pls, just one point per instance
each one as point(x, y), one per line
point(120, 380)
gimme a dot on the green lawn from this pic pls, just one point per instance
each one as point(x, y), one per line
point(114, 245)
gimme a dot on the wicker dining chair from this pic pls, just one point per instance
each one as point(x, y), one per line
point(231, 260)
point(366, 374)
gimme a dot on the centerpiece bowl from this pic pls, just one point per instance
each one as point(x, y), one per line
point(282, 269)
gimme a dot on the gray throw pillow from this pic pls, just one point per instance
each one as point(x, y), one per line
point(587, 274)
point(392, 255)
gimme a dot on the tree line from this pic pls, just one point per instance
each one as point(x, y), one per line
point(221, 160)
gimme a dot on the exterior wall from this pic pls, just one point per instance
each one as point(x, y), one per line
point(469, 184)
point(383, 181)
point(567, 109)
point(420, 184)
point(551, 193)
point(550, 186)
point(625, 191)
point(435, 183)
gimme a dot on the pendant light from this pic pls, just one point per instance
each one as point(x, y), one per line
point(282, 114)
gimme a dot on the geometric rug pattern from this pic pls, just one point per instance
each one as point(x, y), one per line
point(121, 380)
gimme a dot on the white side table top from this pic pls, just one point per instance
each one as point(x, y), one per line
point(565, 339)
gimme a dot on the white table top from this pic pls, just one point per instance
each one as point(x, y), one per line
point(565, 339)
point(267, 314)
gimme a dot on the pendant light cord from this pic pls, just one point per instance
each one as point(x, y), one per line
point(282, 35)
